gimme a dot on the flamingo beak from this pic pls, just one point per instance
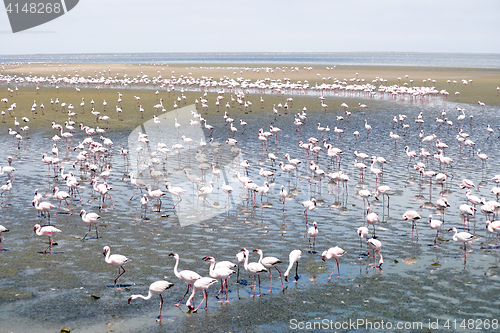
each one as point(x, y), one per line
point(171, 254)
point(129, 300)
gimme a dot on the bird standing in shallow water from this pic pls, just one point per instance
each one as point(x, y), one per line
point(201, 284)
point(156, 288)
point(47, 230)
point(294, 257)
point(435, 225)
point(412, 215)
point(463, 237)
point(116, 260)
point(376, 246)
point(270, 262)
point(254, 268)
point(333, 252)
point(312, 232)
point(185, 275)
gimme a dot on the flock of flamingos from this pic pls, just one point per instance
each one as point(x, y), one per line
point(93, 153)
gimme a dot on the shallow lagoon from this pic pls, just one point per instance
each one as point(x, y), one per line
point(45, 292)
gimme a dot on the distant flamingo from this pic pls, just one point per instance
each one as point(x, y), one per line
point(116, 260)
point(156, 288)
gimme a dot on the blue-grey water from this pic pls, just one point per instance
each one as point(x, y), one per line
point(464, 60)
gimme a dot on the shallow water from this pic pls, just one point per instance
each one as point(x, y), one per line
point(417, 283)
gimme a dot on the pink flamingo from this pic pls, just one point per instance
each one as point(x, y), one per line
point(333, 252)
point(221, 273)
point(254, 268)
point(90, 218)
point(156, 288)
point(116, 260)
point(376, 246)
point(185, 275)
point(62, 195)
point(293, 257)
point(47, 230)
point(203, 283)
point(270, 262)
point(412, 215)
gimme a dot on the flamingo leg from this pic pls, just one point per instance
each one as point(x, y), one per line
point(204, 298)
point(271, 277)
point(227, 297)
point(238, 275)
point(189, 285)
point(281, 277)
point(296, 271)
point(259, 287)
point(118, 278)
point(161, 306)
point(254, 285)
point(221, 290)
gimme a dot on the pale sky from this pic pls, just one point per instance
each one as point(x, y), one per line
point(131, 26)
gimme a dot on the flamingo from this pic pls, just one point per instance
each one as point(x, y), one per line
point(43, 207)
point(102, 189)
point(221, 273)
point(175, 191)
point(312, 232)
point(333, 252)
point(435, 225)
point(308, 205)
point(371, 218)
point(463, 237)
point(240, 257)
point(270, 262)
point(61, 195)
point(254, 268)
point(200, 284)
point(90, 218)
point(2, 229)
point(412, 215)
point(492, 226)
point(156, 288)
point(283, 196)
point(376, 246)
point(293, 257)
point(156, 194)
point(117, 260)
point(185, 275)
point(206, 191)
point(6, 188)
point(47, 230)
point(362, 233)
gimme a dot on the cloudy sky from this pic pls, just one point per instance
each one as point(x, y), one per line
point(129, 26)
